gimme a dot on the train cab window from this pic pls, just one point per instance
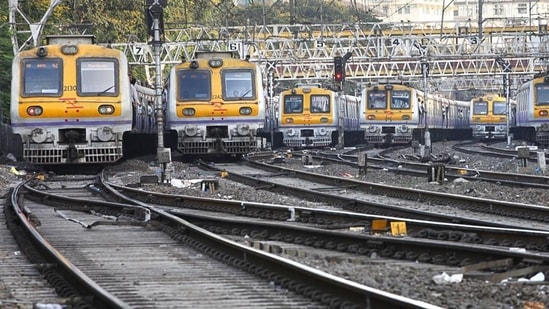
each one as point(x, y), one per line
point(193, 85)
point(480, 108)
point(320, 104)
point(542, 94)
point(42, 77)
point(500, 108)
point(293, 104)
point(400, 99)
point(238, 84)
point(377, 100)
point(97, 77)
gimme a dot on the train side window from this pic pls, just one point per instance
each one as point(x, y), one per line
point(238, 84)
point(320, 104)
point(97, 76)
point(42, 77)
point(193, 85)
point(293, 104)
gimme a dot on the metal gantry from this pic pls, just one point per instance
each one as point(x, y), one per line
point(459, 57)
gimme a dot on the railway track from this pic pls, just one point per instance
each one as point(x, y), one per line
point(364, 197)
point(120, 255)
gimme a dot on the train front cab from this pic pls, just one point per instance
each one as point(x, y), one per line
point(489, 117)
point(70, 103)
point(388, 114)
point(307, 117)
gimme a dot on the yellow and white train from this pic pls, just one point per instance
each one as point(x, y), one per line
point(215, 105)
point(488, 118)
point(397, 114)
point(310, 116)
point(70, 102)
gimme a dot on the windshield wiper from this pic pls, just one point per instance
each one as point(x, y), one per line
point(104, 91)
point(245, 94)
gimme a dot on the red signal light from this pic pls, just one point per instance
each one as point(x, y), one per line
point(339, 69)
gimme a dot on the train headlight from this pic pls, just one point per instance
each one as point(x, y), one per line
point(245, 110)
point(289, 120)
point(371, 117)
point(215, 63)
point(543, 113)
point(106, 109)
point(69, 49)
point(189, 111)
point(324, 119)
point(406, 117)
point(34, 110)
point(291, 132)
point(322, 131)
point(243, 129)
point(39, 135)
point(191, 130)
point(105, 134)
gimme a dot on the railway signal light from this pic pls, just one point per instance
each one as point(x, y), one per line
point(339, 69)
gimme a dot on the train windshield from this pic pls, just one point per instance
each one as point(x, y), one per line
point(42, 77)
point(500, 108)
point(377, 100)
point(97, 77)
point(542, 94)
point(320, 104)
point(193, 85)
point(480, 108)
point(238, 84)
point(293, 104)
point(400, 99)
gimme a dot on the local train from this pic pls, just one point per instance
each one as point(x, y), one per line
point(532, 111)
point(70, 101)
point(215, 105)
point(488, 117)
point(393, 114)
point(310, 116)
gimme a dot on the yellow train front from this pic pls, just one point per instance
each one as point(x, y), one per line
point(489, 117)
point(215, 105)
point(532, 111)
point(391, 113)
point(70, 102)
point(311, 116)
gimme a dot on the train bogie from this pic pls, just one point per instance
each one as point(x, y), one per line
point(70, 102)
point(216, 105)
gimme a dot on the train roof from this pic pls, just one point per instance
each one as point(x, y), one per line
point(215, 54)
point(68, 39)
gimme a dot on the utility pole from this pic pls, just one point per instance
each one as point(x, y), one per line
point(154, 10)
point(506, 66)
point(480, 5)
